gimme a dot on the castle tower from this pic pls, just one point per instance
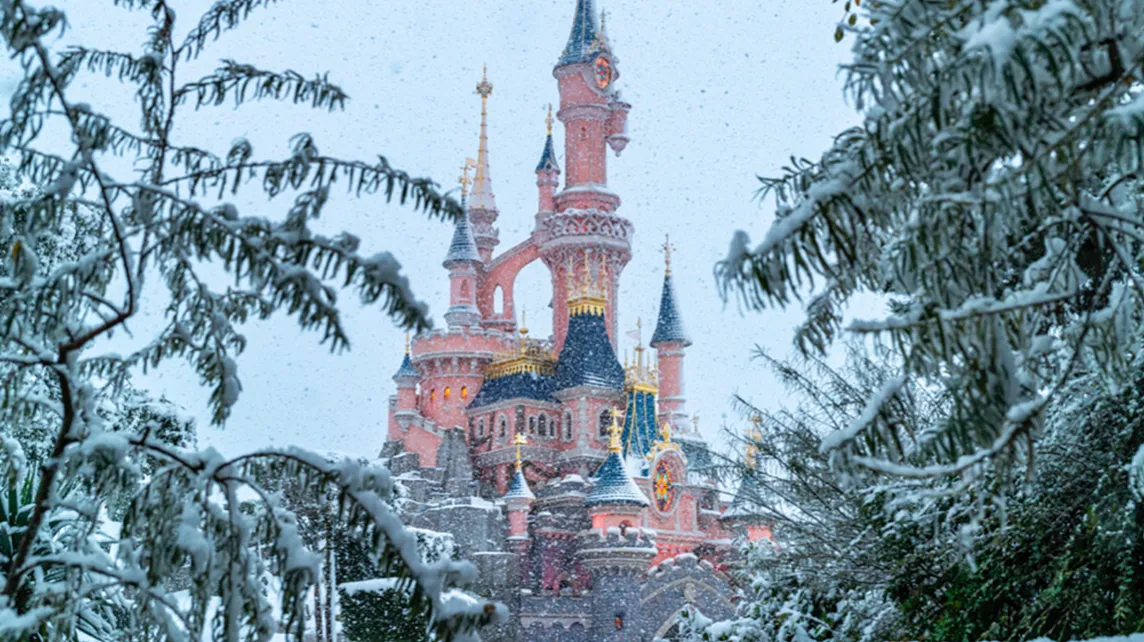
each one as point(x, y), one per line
point(464, 264)
point(670, 342)
point(482, 204)
point(584, 216)
point(547, 176)
point(616, 552)
point(406, 407)
point(588, 377)
point(519, 500)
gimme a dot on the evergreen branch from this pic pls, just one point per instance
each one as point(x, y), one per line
point(224, 15)
point(236, 80)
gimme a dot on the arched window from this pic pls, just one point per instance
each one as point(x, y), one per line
point(448, 390)
point(464, 392)
point(567, 427)
point(502, 428)
point(605, 423)
point(433, 396)
point(498, 300)
point(543, 427)
point(532, 425)
point(480, 424)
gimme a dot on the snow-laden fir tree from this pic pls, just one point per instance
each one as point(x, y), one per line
point(71, 567)
point(992, 196)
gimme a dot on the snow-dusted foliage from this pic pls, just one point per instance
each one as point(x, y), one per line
point(992, 195)
point(104, 499)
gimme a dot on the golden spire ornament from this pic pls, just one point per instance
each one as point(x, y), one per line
point(667, 248)
point(548, 121)
point(407, 343)
point(614, 444)
point(464, 179)
point(519, 441)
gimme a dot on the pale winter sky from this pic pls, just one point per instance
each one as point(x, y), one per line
point(721, 91)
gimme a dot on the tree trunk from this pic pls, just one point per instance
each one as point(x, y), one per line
point(319, 631)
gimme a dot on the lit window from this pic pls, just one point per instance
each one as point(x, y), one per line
point(532, 425)
point(464, 392)
point(433, 395)
point(447, 391)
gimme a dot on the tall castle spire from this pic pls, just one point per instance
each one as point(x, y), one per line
point(584, 41)
point(482, 203)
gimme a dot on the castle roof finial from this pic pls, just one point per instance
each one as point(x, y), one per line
point(482, 197)
point(615, 445)
point(519, 489)
point(406, 343)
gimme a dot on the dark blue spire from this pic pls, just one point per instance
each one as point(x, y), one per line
point(587, 358)
point(669, 326)
point(548, 158)
point(464, 246)
point(640, 430)
point(406, 371)
point(614, 485)
point(519, 488)
point(584, 41)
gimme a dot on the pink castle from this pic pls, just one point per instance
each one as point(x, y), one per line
point(537, 412)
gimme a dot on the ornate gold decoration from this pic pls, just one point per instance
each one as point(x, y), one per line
point(590, 294)
point(667, 249)
point(464, 179)
point(406, 343)
point(754, 436)
point(614, 444)
point(640, 376)
point(484, 88)
point(518, 441)
point(527, 356)
point(548, 121)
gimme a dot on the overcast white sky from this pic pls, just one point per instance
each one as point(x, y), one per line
point(721, 92)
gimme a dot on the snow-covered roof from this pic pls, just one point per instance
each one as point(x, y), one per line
point(519, 488)
point(406, 370)
point(583, 42)
point(669, 325)
point(614, 485)
point(548, 158)
point(463, 246)
point(587, 357)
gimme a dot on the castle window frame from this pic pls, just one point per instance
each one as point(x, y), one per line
point(464, 392)
point(448, 391)
point(604, 424)
point(542, 426)
point(567, 427)
point(481, 427)
point(502, 427)
point(532, 426)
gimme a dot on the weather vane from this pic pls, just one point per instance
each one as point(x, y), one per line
point(464, 179)
point(667, 247)
point(548, 120)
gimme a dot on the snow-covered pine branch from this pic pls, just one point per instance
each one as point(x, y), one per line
point(992, 195)
point(113, 500)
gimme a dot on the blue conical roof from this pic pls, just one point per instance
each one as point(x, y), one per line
point(614, 485)
point(464, 246)
point(669, 326)
point(583, 42)
point(744, 505)
point(548, 158)
point(587, 358)
point(519, 488)
point(406, 370)
point(640, 430)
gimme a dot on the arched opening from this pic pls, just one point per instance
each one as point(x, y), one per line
point(448, 391)
point(532, 426)
point(502, 428)
point(532, 293)
point(464, 392)
point(498, 300)
point(567, 427)
point(669, 630)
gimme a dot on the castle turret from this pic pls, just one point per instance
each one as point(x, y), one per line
point(547, 175)
point(464, 264)
point(519, 500)
point(616, 552)
point(670, 342)
point(482, 203)
point(405, 408)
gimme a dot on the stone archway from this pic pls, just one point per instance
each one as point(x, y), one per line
point(669, 630)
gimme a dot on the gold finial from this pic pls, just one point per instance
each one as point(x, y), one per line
point(464, 179)
point(406, 343)
point(484, 88)
point(665, 433)
point(755, 436)
point(548, 121)
point(667, 249)
point(519, 441)
point(614, 444)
